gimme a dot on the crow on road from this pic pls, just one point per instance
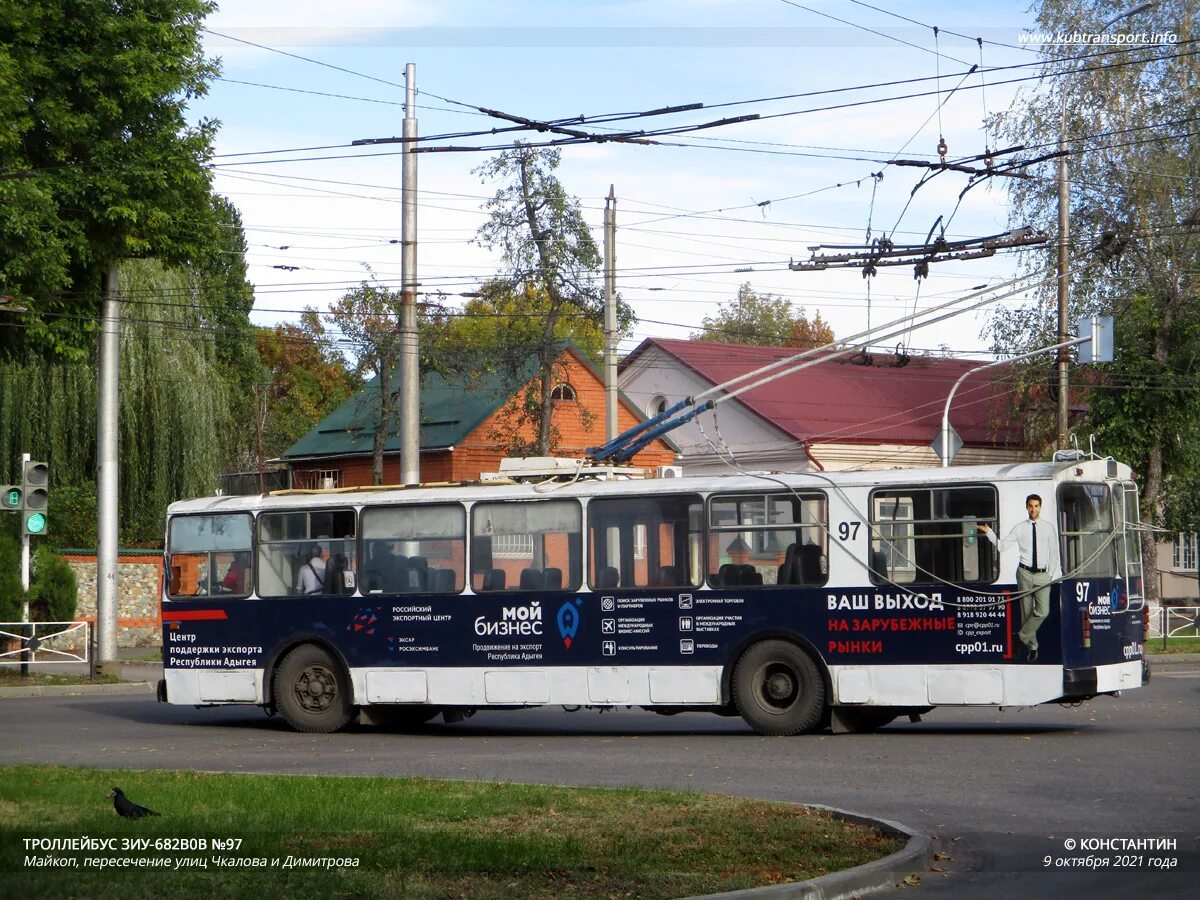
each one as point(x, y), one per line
point(126, 808)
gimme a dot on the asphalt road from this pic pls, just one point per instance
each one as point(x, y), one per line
point(1002, 790)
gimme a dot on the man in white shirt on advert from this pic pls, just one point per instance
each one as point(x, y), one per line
point(1037, 570)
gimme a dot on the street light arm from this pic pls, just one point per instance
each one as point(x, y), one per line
point(1000, 362)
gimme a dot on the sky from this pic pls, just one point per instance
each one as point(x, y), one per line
point(696, 217)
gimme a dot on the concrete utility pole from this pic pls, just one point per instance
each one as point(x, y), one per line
point(107, 432)
point(410, 375)
point(610, 314)
point(1064, 215)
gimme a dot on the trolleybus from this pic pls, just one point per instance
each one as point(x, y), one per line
point(796, 601)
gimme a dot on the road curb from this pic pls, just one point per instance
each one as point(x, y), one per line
point(61, 690)
point(880, 875)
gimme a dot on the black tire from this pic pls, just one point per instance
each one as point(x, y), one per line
point(312, 691)
point(778, 689)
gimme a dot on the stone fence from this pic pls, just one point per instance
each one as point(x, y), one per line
point(139, 585)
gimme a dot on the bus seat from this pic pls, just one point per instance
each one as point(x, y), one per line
point(749, 575)
point(879, 564)
point(728, 575)
point(554, 581)
point(787, 569)
point(412, 580)
point(418, 562)
point(494, 580)
point(532, 579)
point(668, 576)
point(607, 577)
point(812, 565)
point(335, 574)
point(441, 581)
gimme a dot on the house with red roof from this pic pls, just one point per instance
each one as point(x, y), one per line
point(869, 410)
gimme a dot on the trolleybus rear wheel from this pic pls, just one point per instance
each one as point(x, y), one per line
point(312, 691)
point(778, 689)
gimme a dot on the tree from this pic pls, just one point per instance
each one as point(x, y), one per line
point(549, 261)
point(174, 415)
point(305, 379)
point(763, 320)
point(12, 595)
point(368, 318)
point(53, 591)
point(97, 160)
point(1134, 246)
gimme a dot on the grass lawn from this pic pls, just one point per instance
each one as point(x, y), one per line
point(1174, 645)
point(411, 837)
point(10, 676)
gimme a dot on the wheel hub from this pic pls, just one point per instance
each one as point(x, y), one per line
point(316, 688)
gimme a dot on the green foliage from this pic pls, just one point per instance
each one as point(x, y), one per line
point(73, 514)
point(53, 592)
point(305, 381)
point(1134, 246)
point(368, 318)
point(763, 320)
point(12, 595)
point(174, 413)
point(100, 157)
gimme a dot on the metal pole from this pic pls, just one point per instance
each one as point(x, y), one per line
point(1063, 230)
point(1000, 362)
point(25, 631)
point(106, 477)
point(410, 375)
point(610, 313)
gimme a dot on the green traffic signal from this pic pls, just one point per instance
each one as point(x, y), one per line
point(10, 496)
point(35, 496)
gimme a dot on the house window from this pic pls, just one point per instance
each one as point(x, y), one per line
point(317, 479)
point(658, 406)
point(563, 392)
point(1183, 551)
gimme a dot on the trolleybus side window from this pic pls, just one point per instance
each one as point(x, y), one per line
point(209, 556)
point(287, 546)
point(1086, 526)
point(645, 542)
point(921, 534)
point(769, 539)
point(414, 549)
point(529, 545)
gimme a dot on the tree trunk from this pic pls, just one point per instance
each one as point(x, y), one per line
point(381, 426)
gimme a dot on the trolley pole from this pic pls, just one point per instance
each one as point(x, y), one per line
point(610, 314)
point(26, 629)
point(410, 375)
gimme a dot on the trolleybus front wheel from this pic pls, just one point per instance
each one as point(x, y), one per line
point(778, 689)
point(312, 691)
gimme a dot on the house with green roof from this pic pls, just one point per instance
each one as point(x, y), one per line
point(467, 427)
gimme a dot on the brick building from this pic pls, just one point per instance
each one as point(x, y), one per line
point(465, 428)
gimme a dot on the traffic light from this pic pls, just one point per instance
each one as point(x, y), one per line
point(36, 490)
point(10, 497)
